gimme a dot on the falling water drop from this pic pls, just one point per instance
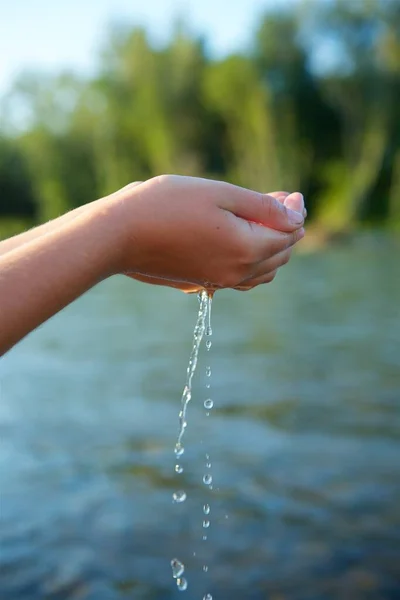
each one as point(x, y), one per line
point(208, 371)
point(178, 568)
point(179, 450)
point(206, 509)
point(178, 469)
point(179, 497)
point(208, 404)
point(181, 584)
point(207, 479)
point(205, 568)
point(207, 597)
point(206, 523)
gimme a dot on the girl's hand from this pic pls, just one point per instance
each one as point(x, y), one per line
point(207, 233)
point(294, 201)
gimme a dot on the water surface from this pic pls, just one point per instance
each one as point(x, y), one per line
point(304, 435)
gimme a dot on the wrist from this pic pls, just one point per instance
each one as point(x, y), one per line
point(118, 215)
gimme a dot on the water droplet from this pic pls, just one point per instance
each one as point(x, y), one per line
point(206, 523)
point(178, 468)
point(208, 403)
point(178, 568)
point(208, 386)
point(179, 450)
point(208, 465)
point(204, 538)
point(208, 371)
point(206, 509)
point(184, 424)
point(205, 568)
point(208, 344)
point(207, 479)
point(181, 584)
point(207, 456)
point(207, 597)
point(209, 330)
point(179, 496)
point(207, 414)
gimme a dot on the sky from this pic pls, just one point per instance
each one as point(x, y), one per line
point(53, 34)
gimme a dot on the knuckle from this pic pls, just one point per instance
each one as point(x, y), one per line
point(270, 205)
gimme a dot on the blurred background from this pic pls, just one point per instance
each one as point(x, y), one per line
point(305, 433)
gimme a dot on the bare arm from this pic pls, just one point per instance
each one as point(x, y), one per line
point(153, 230)
point(41, 276)
point(40, 230)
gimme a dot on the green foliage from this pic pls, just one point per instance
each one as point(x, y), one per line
point(313, 105)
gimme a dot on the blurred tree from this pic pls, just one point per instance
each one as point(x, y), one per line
point(313, 105)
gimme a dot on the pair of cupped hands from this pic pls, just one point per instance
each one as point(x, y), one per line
point(193, 233)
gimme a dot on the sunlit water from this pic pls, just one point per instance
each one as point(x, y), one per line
point(204, 314)
point(304, 441)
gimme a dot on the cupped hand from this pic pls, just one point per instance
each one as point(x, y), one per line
point(192, 233)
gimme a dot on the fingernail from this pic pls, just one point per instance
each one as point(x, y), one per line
point(295, 218)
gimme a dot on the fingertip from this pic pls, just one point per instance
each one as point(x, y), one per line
point(295, 201)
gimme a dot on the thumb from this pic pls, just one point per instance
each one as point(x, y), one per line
point(266, 210)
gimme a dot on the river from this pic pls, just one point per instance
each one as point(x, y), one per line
point(305, 440)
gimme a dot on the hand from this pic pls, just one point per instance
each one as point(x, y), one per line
point(205, 233)
point(294, 201)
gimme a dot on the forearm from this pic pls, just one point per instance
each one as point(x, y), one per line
point(51, 226)
point(42, 276)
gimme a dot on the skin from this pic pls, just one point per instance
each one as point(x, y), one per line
point(184, 232)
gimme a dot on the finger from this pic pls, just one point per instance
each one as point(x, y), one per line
point(279, 195)
point(183, 286)
point(252, 283)
point(268, 242)
point(295, 201)
point(263, 209)
point(270, 264)
point(130, 186)
point(282, 196)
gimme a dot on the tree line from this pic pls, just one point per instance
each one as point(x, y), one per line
point(312, 104)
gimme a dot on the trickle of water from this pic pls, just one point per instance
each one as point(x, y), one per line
point(179, 497)
point(179, 450)
point(178, 568)
point(181, 584)
point(187, 390)
point(206, 523)
point(208, 404)
point(207, 479)
point(206, 509)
